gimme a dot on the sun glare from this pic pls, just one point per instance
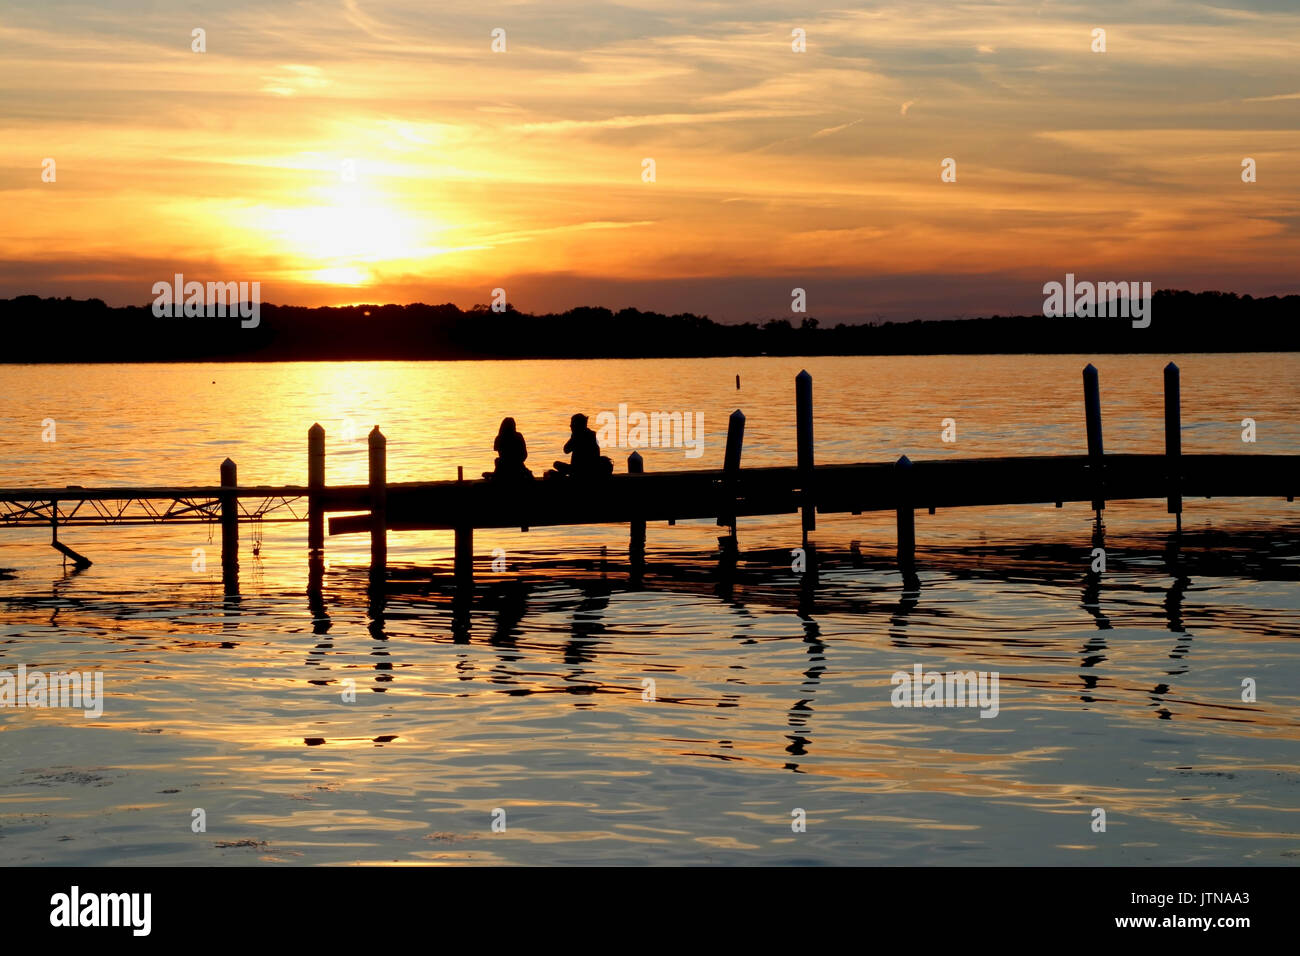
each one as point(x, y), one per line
point(341, 275)
point(335, 239)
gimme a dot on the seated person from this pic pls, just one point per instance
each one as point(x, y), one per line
point(512, 452)
point(585, 459)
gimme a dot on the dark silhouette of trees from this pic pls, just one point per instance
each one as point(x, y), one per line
point(72, 330)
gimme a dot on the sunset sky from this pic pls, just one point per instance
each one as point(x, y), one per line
point(774, 169)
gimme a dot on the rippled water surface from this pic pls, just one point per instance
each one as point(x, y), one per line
point(690, 718)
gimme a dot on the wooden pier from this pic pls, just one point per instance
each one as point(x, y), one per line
point(635, 498)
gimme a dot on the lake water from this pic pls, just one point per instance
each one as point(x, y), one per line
point(771, 696)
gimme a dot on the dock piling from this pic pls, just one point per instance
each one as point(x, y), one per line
point(378, 502)
point(462, 505)
point(636, 538)
point(905, 514)
point(735, 443)
point(1092, 414)
point(229, 529)
point(803, 398)
point(79, 561)
point(730, 478)
point(464, 560)
point(1174, 441)
point(315, 487)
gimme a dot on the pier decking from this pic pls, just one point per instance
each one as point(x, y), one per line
point(635, 498)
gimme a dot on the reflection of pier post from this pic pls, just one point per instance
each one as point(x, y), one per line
point(908, 601)
point(229, 530)
point(1092, 580)
point(460, 619)
point(1173, 602)
point(808, 582)
point(320, 622)
point(801, 711)
point(1093, 652)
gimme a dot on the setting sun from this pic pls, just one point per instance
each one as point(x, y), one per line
point(346, 227)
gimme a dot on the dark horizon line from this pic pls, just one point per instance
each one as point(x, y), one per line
point(484, 308)
point(89, 330)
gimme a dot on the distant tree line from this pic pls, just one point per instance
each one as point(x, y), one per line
point(73, 330)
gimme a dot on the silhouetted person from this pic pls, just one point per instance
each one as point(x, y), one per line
point(585, 459)
point(512, 452)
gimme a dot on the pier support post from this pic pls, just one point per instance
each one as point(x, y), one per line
point(735, 444)
point(464, 560)
point(1173, 442)
point(229, 529)
point(803, 412)
point(730, 478)
point(315, 488)
point(378, 503)
point(636, 538)
point(905, 515)
point(1092, 414)
point(79, 561)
